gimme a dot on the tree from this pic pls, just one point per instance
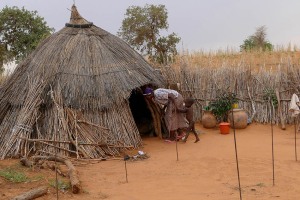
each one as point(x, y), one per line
point(257, 41)
point(20, 33)
point(141, 29)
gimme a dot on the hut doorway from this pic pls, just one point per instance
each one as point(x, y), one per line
point(141, 114)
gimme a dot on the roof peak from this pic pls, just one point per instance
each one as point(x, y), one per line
point(76, 20)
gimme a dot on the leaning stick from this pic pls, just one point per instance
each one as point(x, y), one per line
point(252, 103)
point(61, 148)
point(43, 140)
point(235, 146)
point(68, 142)
point(279, 110)
point(89, 123)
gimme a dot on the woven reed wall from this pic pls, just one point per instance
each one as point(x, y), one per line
point(252, 82)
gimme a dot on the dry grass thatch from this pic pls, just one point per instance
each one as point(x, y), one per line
point(70, 96)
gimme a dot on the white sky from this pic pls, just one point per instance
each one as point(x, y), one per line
point(201, 24)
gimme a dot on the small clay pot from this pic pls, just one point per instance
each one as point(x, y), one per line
point(224, 128)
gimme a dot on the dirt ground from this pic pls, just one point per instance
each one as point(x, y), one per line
point(204, 170)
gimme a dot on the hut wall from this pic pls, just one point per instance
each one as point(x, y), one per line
point(91, 133)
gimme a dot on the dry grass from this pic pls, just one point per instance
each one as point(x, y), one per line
point(256, 60)
point(254, 76)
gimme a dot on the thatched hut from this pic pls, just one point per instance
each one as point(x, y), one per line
point(78, 93)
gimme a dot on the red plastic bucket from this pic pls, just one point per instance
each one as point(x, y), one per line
point(224, 127)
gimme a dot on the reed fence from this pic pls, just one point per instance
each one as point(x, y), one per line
point(263, 83)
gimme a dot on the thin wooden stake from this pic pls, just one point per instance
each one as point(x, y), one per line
point(235, 146)
point(176, 145)
point(295, 121)
point(236, 156)
point(176, 135)
point(55, 151)
point(56, 179)
point(273, 165)
point(126, 172)
point(126, 157)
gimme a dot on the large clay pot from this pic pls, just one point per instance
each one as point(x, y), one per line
point(240, 117)
point(208, 119)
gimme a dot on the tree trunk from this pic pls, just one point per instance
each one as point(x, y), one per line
point(32, 194)
point(73, 174)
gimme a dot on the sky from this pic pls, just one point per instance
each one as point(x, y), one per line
point(203, 25)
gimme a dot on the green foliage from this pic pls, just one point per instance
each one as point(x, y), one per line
point(141, 29)
point(61, 185)
point(269, 95)
point(20, 33)
point(207, 108)
point(257, 41)
point(222, 104)
point(13, 175)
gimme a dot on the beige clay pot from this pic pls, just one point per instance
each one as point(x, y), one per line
point(240, 117)
point(208, 119)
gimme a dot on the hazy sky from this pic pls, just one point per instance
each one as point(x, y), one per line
point(201, 24)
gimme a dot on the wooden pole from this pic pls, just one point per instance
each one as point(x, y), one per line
point(55, 156)
point(279, 110)
point(235, 147)
point(176, 135)
point(272, 141)
point(295, 122)
point(126, 157)
point(176, 145)
point(126, 172)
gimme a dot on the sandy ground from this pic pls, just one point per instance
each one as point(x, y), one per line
point(204, 170)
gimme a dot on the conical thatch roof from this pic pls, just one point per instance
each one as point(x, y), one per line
point(94, 68)
point(76, 20)
point(83, 68)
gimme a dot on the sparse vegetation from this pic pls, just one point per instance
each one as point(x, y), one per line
point(13, 175)
point(270, 96)
point(260, 185)
point(61, 184)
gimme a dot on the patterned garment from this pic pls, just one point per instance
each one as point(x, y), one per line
point(161, 95)
point(173, 118)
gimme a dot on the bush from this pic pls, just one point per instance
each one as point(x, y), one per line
point(222, 104)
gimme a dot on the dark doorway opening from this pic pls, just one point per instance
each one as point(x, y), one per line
point(141, 114)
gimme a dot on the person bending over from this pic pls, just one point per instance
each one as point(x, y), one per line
point(171, 100)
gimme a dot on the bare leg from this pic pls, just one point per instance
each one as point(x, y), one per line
point(197, 137)
point(172, 135)
point(194, 131)
point(186, 136)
